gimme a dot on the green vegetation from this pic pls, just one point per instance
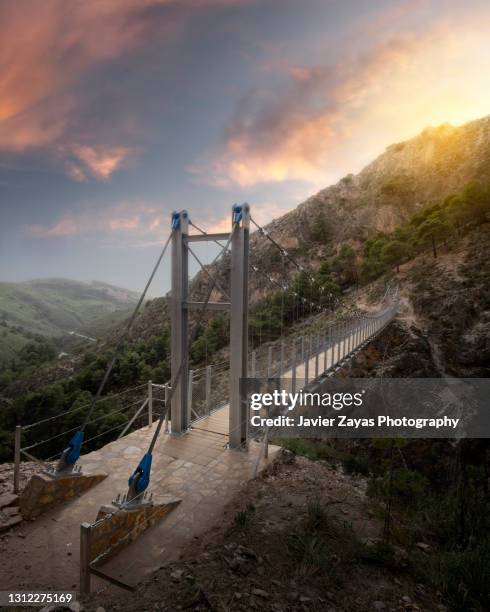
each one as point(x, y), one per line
point(433, 498)
point(322, 543)
point(210, 338)
point(138, 362)
point(426, 229)
point(50, 308)
point(453, 513)
point(244, 517)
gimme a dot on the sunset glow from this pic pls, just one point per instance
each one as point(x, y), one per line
point(200, 104)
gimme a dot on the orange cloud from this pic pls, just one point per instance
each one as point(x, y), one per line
point(330, 120)
point(100, 162)
point(135, 218)
point(65, 227)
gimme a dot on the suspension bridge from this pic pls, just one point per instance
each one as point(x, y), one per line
point(188, 437)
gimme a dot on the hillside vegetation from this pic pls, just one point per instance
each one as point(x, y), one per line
point(51, 308)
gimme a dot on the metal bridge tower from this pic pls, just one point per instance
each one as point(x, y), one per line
point(238, 307)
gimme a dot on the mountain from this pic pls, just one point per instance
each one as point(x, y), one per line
point(54, 307)
point(407, 177)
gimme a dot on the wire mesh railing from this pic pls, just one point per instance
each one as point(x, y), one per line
point(114, 415)
point(304, 357)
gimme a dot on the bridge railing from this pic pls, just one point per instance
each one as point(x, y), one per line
point(299, 357)
point(114, 417)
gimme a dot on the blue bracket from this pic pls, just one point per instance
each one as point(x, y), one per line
point(176, 217)
point(175, 220)
point(140, 478)
point(72, 452)
point(237, 214)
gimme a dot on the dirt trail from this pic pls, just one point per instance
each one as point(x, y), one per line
point(248, 560)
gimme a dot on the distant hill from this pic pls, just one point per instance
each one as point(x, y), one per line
point(54, 307)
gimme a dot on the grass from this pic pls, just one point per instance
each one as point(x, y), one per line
point(243, 518)
point(321, 451)
point(311, 449)
point(308, 551)
point(321, 543)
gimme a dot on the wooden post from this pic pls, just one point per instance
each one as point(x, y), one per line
point(85, 536)
point(18, 432)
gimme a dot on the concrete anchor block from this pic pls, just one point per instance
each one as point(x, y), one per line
point(123, 525)
point(43, 492)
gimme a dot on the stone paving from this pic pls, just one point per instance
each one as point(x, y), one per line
point(196, 467)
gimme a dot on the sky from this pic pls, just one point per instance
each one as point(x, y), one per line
point(114, 113)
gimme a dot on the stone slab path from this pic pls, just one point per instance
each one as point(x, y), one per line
point(196, 467)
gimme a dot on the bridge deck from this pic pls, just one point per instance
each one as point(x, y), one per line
point(195, 467)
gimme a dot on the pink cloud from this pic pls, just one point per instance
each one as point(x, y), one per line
point(100, 162)
point(65, 227)
point(49, 47)
point(127, 218)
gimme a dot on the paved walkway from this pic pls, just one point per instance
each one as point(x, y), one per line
point(195, 467)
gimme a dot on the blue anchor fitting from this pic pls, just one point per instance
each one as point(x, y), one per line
point(72, 452)
point(175, 220)
point(237, 214)
point(140, 479)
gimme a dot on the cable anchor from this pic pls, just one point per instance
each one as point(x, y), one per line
point(137, 484)
point(70, 455)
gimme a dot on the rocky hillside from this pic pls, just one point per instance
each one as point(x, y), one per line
point(407, 177)
point(443, 328)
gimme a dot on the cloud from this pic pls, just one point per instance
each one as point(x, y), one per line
point(99, 162)
point(65, 227)
point(125, 219)
point(323, 121)
point(48, 48)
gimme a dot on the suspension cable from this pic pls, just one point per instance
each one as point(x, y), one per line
point(300, 267)
point(209, 275)
point(123, 337)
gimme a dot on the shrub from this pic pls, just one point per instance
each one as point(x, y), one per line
point(243, 517)
point(407, 486)
point(308, 551)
